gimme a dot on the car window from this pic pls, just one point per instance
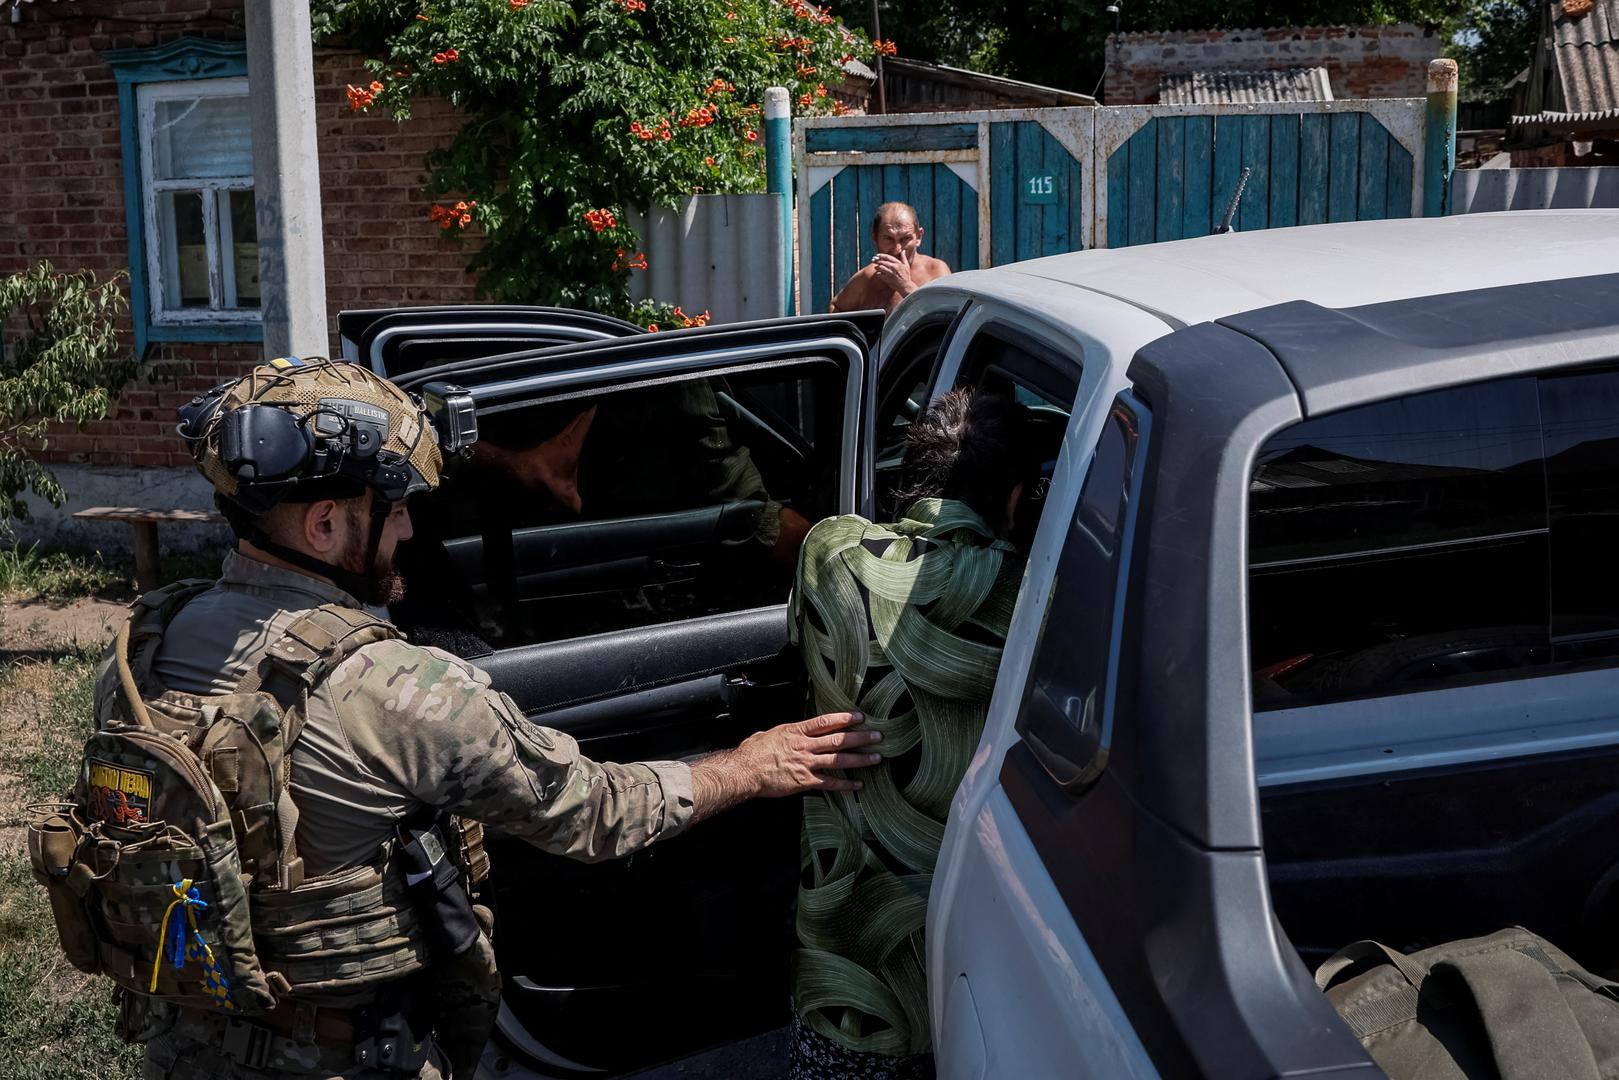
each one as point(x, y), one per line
point(1406, 544)
point(631, 506)
point(902, 395)
point(1580, 424)
point(1066, 713)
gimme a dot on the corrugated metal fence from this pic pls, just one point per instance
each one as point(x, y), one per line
point(719, 253)
point(1477, 191)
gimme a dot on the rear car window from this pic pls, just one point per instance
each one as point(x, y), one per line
point(1438, 539)
point(1066, 715)
point(628, 507)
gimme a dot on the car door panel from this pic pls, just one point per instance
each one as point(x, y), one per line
point(400, 341)
point(691, 935)
point(598, 556)
point(548, 680)
point(687, 943)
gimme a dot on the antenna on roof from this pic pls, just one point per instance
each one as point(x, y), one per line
point(1231, 207)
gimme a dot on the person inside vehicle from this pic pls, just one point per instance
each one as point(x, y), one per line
point(639, 452)
point(312, 464)
point(897, 269)
point(904, 622)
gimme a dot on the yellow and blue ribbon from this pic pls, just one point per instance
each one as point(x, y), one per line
point(179, 947)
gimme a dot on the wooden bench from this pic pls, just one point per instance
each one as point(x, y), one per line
point(144, 520)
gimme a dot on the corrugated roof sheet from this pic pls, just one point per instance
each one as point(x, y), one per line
point(1223, 87)
point(854, 67)
point(1550, 117)
point(1587, 52)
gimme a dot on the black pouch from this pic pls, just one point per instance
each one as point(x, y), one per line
point(395, 1033)
point(433, 881)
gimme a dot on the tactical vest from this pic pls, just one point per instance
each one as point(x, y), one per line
point(174, 869)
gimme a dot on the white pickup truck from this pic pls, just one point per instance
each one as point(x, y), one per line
point(1319, 638)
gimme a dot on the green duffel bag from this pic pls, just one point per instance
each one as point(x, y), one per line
point(1510, 1005)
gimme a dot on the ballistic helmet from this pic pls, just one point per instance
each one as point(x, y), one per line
point(296, 431)
point(289, 431)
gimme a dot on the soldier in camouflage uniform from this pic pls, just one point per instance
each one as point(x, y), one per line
point(395, 728)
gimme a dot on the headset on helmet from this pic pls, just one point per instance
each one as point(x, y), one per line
point(291, 431)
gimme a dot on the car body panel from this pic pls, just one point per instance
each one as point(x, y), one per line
point(1340, 265)
point(1190, 756)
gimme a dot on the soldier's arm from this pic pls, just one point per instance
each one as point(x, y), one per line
point(429, 722)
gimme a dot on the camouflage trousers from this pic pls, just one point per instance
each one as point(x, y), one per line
point(179, 1057)
point(465, 997)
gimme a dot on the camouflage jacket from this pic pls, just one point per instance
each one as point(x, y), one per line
point(397, 727)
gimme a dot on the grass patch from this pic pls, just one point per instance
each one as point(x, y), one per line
point(46, 712)
point(29, 573)
point(54, 1020)
point(26, 571)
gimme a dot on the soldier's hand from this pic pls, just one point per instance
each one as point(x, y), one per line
point(794, 758)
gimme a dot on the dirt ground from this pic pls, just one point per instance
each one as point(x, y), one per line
point(32, 628)
point(36, 637)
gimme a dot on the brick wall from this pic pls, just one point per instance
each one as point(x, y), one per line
point(61, 193)
point(1362, 61)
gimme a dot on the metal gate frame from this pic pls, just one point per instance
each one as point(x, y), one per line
point(824, 146)
point(961, 141)
point(1403, 118)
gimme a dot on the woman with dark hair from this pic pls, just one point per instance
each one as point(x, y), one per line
point(906, 622)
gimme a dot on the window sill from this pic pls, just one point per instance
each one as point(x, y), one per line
point(162, 333)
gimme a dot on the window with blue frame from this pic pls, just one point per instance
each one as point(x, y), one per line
point(188, 191)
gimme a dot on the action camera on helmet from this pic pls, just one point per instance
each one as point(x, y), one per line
point(453, 415)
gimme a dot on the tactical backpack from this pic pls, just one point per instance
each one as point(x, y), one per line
point(174, 870)
point(1510, 1005)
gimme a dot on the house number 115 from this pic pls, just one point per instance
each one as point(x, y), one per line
point(1040, 188)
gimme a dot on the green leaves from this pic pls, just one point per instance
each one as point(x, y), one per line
point(578, 105)
point(60, 361)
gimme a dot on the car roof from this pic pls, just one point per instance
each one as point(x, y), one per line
point(1349, 264)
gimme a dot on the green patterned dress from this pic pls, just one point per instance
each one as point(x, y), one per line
point(904, 622)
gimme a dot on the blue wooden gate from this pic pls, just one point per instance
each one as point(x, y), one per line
point(1171, 170)
point(995, 187)
point(1031, 166)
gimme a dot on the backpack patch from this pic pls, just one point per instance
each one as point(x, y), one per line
point(117, 794)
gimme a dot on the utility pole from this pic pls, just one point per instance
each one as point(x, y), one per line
point(286, 178)
point(877, 35)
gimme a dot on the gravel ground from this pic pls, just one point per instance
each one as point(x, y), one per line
point(763, 1057)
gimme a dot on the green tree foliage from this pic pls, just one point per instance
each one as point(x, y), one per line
point(60, 360)
point(578, 110)
point(1495, 39)
point(1067, 51)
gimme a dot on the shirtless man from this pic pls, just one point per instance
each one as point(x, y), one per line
point(897, 269)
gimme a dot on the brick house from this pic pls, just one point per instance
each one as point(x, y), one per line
point(125, 146)
point(1361, 61)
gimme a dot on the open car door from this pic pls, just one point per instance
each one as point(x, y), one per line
point(397, 341)
point(616, 553)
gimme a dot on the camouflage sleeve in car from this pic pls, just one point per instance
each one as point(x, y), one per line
point(430, 722)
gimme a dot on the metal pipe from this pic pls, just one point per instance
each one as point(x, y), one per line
point(1439, 138)
point(877, 35)
point(779, 177)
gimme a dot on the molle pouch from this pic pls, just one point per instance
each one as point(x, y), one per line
point(54, 835)
point(168, 896)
